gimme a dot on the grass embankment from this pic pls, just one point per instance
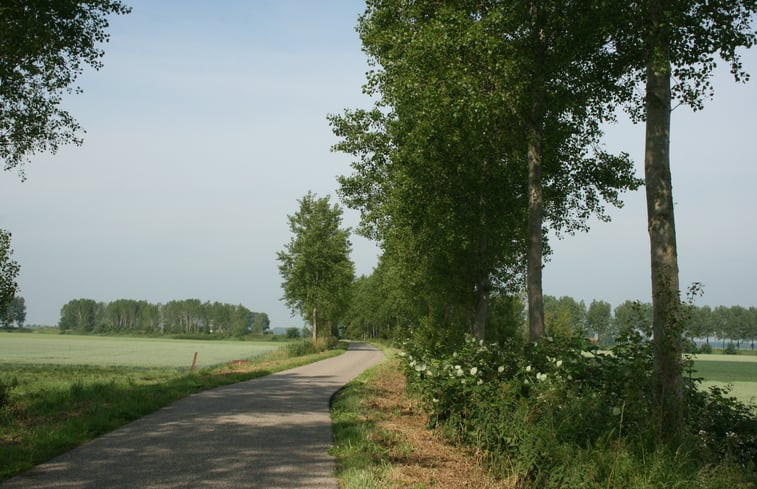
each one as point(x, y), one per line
point(381, 439)
point(48, 409)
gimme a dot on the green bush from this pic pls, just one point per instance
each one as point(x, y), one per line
point(705, 349)
point(308, 347)
point(293, 333)
point(561, 413)
point(730, 349)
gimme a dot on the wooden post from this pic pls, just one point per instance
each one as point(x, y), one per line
point(194, 362)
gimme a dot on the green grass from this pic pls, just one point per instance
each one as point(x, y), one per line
point(362, 462)
point(124, 351)
point(738, 371)
point(49, 408)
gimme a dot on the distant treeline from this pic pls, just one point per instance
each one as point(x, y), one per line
point(190, 316)
point(727, 324)
point(371, 315)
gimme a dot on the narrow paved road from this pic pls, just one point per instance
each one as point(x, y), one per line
point(271, 432)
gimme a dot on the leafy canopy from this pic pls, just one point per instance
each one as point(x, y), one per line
point(45, 45)
point(315, 264)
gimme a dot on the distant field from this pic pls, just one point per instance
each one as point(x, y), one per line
point(27, 348)
point(738, 370)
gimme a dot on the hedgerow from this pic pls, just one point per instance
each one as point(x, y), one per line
point(561, 413)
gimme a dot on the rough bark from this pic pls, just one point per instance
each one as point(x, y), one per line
point(668, 374)
point(535, 193)
point(535, 244)
point(482, 292)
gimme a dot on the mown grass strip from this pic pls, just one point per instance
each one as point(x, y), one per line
point(362, 461)
point(47, 410)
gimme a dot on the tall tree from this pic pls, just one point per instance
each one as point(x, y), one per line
point(315, 265)
point(260, 322)
point(15, 312)
point(83, 315)
point(45, 45)
point(672, 46)
point(564, 316)
point(633, 316)
point(486, 110)
point(599, 321)
point(9, 269)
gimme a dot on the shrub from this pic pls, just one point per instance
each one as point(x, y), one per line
point(561, 413)
point(730, 349)
point(308, 347)
point(706, 348)
point(293, 333)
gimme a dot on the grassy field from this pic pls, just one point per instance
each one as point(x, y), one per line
point(57, 391)
point(29, 348)
point(740, 371)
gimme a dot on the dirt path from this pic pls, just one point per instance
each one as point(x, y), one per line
point(271, 432)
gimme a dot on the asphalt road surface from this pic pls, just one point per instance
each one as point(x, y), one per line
point(271, 432)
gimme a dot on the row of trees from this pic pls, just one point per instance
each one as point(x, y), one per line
point(486, 134)
point(190, 316)
point(375, 305)
point(734, 324)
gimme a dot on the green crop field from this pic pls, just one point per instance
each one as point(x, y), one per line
point(17, 348)
point(57, 391)
point(740, 371)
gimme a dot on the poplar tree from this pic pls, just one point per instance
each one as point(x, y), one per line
point(485, 136)
point(315, 264)
point(670, 47)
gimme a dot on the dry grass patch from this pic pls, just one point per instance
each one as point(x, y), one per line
point(417, 457)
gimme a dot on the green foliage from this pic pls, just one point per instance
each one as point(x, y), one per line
point(46, 45)
point(9, 269)
point(6, 385)
point(562, 413)
point(564, 317)
point(599, 322)
point(309, 346)
point(293, 333)
point(315, 265)
point(455, 84)
point(633, 316)
point(15, 311)
point(189, 317)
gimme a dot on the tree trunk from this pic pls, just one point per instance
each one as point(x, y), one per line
point(482, 292)
point(535, 194)
point(535, 244)
point(315, 323)
point(667, 324)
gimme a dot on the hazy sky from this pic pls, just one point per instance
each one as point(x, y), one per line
point(208, 122)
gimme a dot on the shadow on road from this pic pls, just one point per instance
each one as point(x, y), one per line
point(270, 432)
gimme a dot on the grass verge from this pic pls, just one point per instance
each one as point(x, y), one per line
point(381, 439)
point(46, 410)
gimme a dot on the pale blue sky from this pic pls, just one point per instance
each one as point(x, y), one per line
point(208, 122)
